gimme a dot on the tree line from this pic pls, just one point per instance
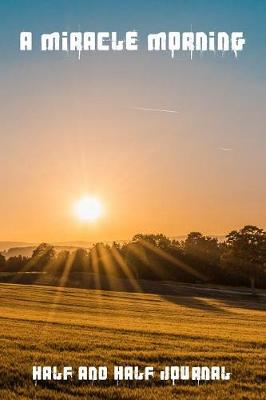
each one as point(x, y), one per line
point(238, 260)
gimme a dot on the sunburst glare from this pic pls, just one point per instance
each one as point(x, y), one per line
point(88, 209)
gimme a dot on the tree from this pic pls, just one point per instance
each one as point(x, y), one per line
point(157, 240)
point(248, 247)
point(204, 248)
point(2, 262)
point(80, 261)
point(61, 262)
point(42, 256)
point(16, 263)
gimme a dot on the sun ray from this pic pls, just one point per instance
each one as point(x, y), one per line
point(168, 257)
point(95, 268)
point(59, 292)
point(109, 266)
point(125, 268)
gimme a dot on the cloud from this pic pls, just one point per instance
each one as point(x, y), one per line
point(225, 149)
point(154, 110)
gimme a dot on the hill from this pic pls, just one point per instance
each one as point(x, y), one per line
point(5, 245)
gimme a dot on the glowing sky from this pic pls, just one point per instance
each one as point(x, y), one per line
point(72, 128)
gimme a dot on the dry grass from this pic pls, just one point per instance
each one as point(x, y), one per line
point(43, 326)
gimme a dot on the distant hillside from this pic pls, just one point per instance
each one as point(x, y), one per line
point(8, 244)
point(27, 250)
point(19, 251)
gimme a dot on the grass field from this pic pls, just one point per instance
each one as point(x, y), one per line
point(45, 326)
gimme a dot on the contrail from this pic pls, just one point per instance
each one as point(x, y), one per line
point(225, 148)
point(154, 110)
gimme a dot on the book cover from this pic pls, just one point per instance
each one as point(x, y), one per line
point(132, 205)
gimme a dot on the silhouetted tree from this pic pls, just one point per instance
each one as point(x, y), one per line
point(42, 256)
point(202, 252)
point(2, 262)
point(16, 264)
point(63, 257)
point(247, 248)
point(80, 261)
point(240, 258)
point(157, 240)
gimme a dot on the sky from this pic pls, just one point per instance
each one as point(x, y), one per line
point(71, 128)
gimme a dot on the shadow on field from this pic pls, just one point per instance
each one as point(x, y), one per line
point(187, 295)
point(195, 302)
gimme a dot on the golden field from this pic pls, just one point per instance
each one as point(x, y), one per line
point(45, 325)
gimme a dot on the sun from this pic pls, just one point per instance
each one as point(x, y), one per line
point(88, 209)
